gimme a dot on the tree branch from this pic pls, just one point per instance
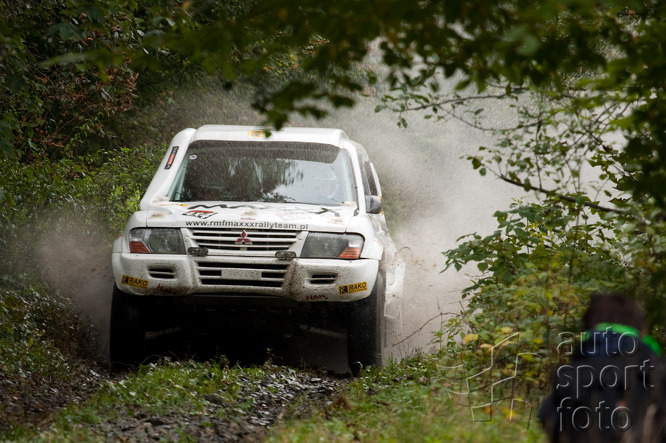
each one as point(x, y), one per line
point(552, 193)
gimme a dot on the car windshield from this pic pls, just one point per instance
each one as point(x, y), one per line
point(289, 172)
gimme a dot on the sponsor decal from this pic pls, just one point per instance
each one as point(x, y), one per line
point(172, 204)
point(165, 290)
point(224, 206)
point(248, 224)
point(172, 157)
point(354, 287)
point(315, 297)
point(325, 210)
point(198, 213)
point(289, 216)
point(133, 281)
point(257, 133)
point(243, 240)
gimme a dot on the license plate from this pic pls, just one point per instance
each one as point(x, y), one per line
point(241, 274)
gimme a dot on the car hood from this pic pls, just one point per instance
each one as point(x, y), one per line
point(243, 215)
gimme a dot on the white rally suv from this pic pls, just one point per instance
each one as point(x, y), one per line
point(268, 228)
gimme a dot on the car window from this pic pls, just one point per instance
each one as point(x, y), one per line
point(372, 185)
point(378, 187)
point(264, 172)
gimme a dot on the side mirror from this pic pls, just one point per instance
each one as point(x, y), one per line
point(373, 205)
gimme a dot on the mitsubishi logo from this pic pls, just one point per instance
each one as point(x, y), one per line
point(243, 240)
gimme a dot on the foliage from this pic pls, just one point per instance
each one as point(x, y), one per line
point(42, 344)
point(582, 233)
point(610, 49)
point(602, 239)
point(98, 198)
point(35, 325)
point(537, 271)
point(583, 143)
point(55, 108)
point(44, 341)
point(73, 74)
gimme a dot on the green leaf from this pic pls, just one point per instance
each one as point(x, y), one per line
point(371, 76)
point(94, 13)
point(65, 30)
point(6, 138)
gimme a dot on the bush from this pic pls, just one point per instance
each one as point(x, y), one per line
point(94, 199)
point(538, 270)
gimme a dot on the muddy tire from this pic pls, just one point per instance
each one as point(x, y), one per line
point(366, 329)
point(127, 333)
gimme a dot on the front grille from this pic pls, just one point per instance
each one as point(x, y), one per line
point(257, 275)
point(234, 239)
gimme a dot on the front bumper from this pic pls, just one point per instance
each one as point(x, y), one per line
point(303, 280)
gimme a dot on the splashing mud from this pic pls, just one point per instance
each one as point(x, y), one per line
point(79, 265)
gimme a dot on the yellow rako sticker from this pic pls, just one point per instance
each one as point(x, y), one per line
point(354, 287)
point(257, 133)
point(133, 281)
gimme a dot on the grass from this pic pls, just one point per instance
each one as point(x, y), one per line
point(182, 394)
point(406, 401)
point(155, 390)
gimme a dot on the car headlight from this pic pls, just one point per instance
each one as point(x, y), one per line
point(156, 241)
point(322, 245)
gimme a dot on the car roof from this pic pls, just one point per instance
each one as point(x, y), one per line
point(329, 136)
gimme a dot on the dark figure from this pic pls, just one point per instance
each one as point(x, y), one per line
point(613, 389)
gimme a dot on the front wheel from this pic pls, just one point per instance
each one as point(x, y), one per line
point(366, 329)
point(127, 332)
